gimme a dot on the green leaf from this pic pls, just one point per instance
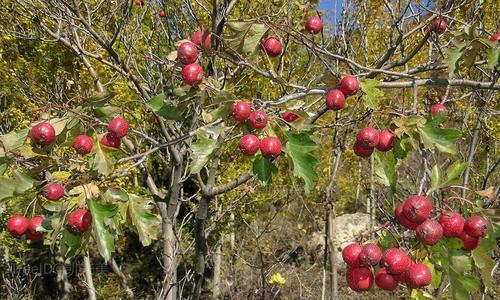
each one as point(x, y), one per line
point(299, 148)
point(482, 255)
point(441, 138)
point(453, 56)
point(201, 150)
point(59, 124)
point(101, 216)
point(436, 275)
point(245, 36)
point(19, 184)
point(484, 263)
point(70, 243)
point(418, 294)
point(168, 111)
point(452, 174)
point(492, 53)
point(402, 147)
point(145, 223)
point(23, 182)
point(7, 188)
point(114, 194)
point(102, 163)
point(107, 111)
point(264, 169)
point(436, 177)
point(474, 48)
point(385, 169)
point(14, 139)
point(372, 93)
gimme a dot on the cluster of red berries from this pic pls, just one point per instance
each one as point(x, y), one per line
point(78, 222)
point(396, 267)
point(368, 138)
point(19, 225)
point(187, 54)
point(117, 129)
point(335, 98)
point(249, 144)
point(414, 214)
point(44, 134)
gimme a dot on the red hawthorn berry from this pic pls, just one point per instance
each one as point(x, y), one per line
point(240, 111)
point(83, 144)
point(272, 46)
point(249, 144)
point(42, 133)
point(32, 233)
point(418, 276)
point(110, 140)
point(359, 279)
point(429, 232)
point(350, 255)
point(385, 280)
point(386, 137)
point(53, 191)
point(196, 39)
point(417, 208)
point(470, 242)
point(192, 74)
point(314, 24)
point(370, 255)
point(187, 53)
point(258, 119)
point(17, 225)
point(290, 117)
point(400, 216)
point(349, 85)
point(118, 127)
point(79, 221)
point(437, 108)
point(361, 150)
point(270, 147)
point(476, 226)
point(452, 223)
point(335, 99)
point(368, 137)
point(395, 261)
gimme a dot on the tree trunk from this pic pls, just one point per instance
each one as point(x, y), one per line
point(217, 274)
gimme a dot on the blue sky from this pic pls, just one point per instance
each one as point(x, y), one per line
point(327, 6)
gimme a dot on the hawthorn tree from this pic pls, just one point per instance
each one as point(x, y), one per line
point(181, 91)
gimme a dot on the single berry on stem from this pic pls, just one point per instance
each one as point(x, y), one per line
point(118, 127)
point(350, 254)
point(43, 133)
point(349, 85)
point(452, 223)
point(359, 279)
point(240, 111)
point(272, 46)
point(335, 99)
point(17, 225)
point(249, 144)
point(270, 147)
point(476, 226)
point(192, 74)
point(314, 24)
point(53, 191)
point(417, 208)
point(258, 119)
point(83, 144)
